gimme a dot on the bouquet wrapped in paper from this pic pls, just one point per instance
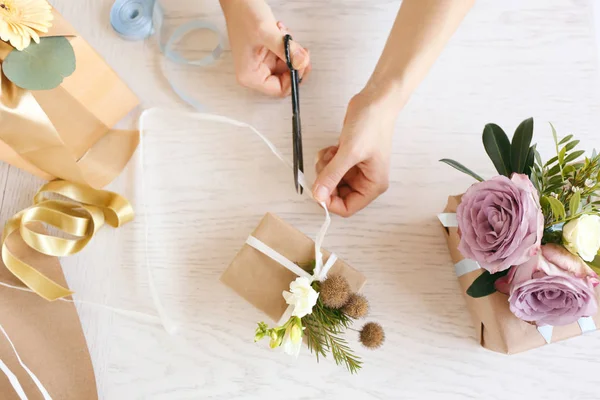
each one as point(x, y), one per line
point(526, 243)
point(59, 100)
point(311, 294)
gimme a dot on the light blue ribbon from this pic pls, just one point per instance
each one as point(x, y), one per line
point(140, 19)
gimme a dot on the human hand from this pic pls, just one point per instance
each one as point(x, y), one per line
point(356, 171)
point(256, 40)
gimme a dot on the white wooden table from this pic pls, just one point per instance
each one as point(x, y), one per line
point(509, 60)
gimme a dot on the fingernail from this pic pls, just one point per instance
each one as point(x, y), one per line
point(328, 155)
point(299, 59)
point(321, 193)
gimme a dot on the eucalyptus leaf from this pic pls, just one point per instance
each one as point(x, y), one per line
point(538, 157)
point(575, 203)
point(574, 155)
point(484, 285)
point(571, 145)
point(568, 169)
point(519, 149)
point(561, 156)
point(594, 153)
point(554, 135)
point(462, 168)
point(554, 170)
point(554, 188)
point(558, 209)
point(41, 66)
point(551, 161)
point(497, 146)
point(565, 139)
point(555, 180)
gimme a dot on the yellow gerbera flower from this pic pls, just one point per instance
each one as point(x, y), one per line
point(22, 20)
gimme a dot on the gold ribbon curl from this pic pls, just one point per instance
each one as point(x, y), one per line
point(80, 216)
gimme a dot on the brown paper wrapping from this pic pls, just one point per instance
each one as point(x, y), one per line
point(496, 327)
point(66, 132)
point(47, 335)
point(261, 281)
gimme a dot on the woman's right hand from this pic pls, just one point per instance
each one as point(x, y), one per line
point(256, 40)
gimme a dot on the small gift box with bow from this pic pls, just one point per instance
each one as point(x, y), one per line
point(311, 294)
point(260, 279)
point(59, 101)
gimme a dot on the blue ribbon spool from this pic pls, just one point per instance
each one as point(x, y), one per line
point(140, 19)
point(132, 19)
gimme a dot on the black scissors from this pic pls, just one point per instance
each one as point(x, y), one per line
point(296, 126)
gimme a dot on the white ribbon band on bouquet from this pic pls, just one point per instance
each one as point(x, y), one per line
point(448, 220)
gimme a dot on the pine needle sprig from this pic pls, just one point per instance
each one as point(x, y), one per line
point(323, 329)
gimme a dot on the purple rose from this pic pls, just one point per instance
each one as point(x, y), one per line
point(500, 222)
point(553, 288)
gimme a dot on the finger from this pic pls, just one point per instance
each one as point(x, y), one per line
point(273, 85)
point(344, 191)
point(323, 157)
point(351, 204)
point(273, 38)
point(281, 67)
point(306, 72)
point(332, 174)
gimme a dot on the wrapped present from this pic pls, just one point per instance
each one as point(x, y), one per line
point(66, 131)
point(496, 327)
point(310, 293)
point(47, 337)
point(526, 242)
point(260, 280)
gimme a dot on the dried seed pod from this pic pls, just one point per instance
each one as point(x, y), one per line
point(357, 306)
point(372, 335)
point(335, 291)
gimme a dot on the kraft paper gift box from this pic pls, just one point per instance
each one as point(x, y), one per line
point(496, 327)
point(261, 280)
point(66, 132)
point(47, 335)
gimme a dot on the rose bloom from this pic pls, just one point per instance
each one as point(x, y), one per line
point(500, 222)
point(302, 296)
point(582, 236)
point(553, 288)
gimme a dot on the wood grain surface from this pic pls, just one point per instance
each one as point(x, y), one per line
point(208, 185)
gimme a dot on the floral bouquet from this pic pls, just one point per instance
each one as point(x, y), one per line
point(534, 229)
point(322, 311)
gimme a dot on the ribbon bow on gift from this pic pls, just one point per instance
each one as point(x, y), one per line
point(65, 132)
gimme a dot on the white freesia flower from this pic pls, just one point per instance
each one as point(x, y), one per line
point(292, 341)
point(582, 236)
point(302, 296)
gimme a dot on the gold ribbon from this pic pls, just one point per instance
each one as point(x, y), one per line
point(80, 216)
point(66, 132)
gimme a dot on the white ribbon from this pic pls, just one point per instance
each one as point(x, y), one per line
point(321, 268)
point(448, 220)
point(12, 377)
point(586, 324)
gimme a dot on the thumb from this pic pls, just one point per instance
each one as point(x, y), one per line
point(331, 175)
point(274, 42)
